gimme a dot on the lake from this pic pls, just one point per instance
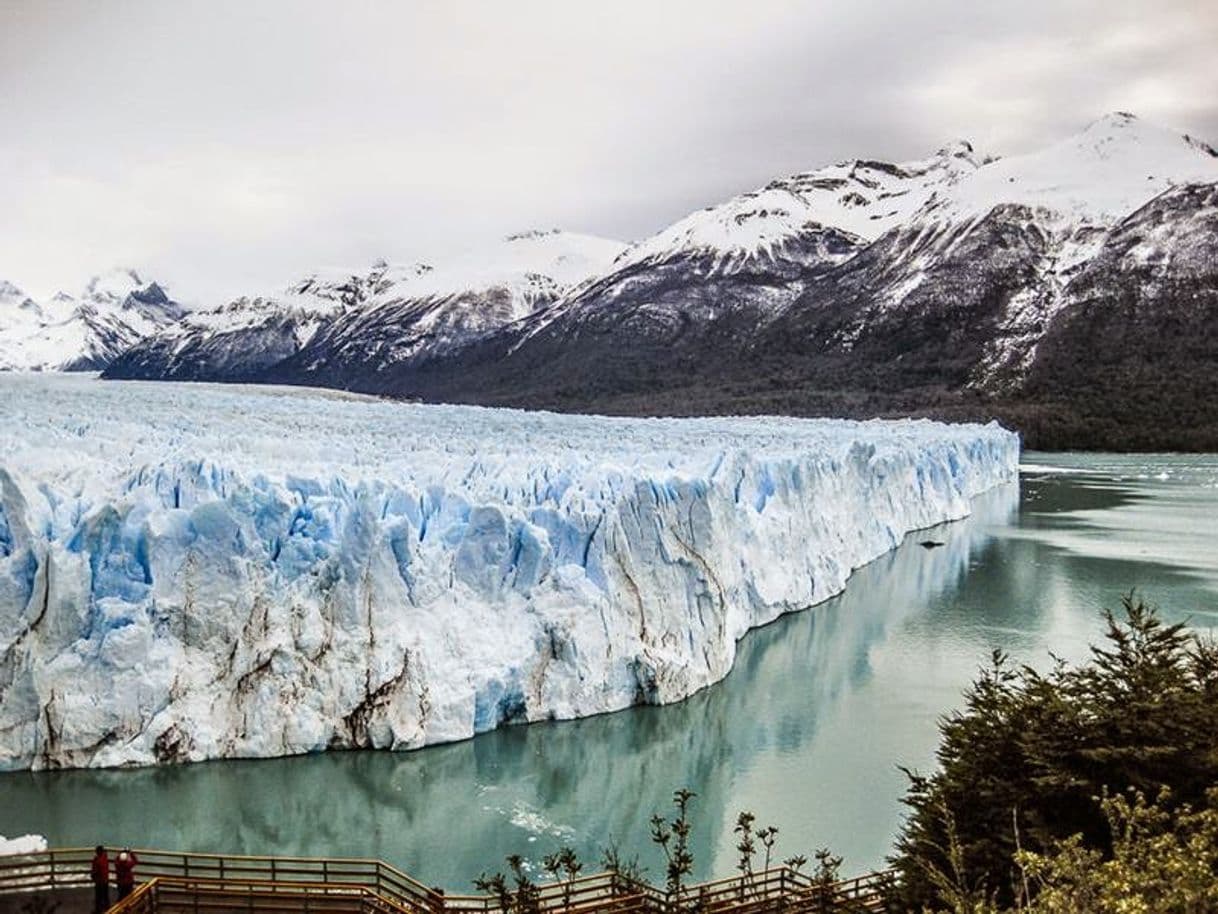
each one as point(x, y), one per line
point(807, 732)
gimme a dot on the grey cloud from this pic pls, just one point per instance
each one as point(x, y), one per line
point(229, 146)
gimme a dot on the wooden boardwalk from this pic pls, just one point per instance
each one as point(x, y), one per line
point(57, 882)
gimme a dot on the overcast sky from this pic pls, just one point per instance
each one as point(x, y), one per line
point(227, 147)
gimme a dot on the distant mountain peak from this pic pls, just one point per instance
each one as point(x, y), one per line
point(835, 209)
point(116, 309)
point(1110, 168)
point(17, 309)
point(1115, 119)
point(9, 290)
point(393, 312)
point(151, 294)
point(1201, 146)
point(532, 233)
point(117, 282)
point(964, 150)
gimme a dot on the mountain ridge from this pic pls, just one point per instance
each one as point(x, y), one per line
point(961, 310)
point(392, 311)
point(952, 286)
point(115, 310)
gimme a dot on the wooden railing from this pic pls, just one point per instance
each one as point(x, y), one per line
point(141, 901)
point(785, 889)
point(600, 892)
point(179, 895)
point(69, 867)
point(189, 883)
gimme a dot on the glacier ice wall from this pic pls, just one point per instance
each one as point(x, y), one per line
point(191, 572)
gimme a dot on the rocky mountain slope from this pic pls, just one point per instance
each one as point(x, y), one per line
point(323, 325)
point(740, 259)
point(81, 333)
point(706, 285)
point(1070, 292)
point(240, 339)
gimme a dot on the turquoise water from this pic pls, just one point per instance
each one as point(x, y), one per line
point(807, 732)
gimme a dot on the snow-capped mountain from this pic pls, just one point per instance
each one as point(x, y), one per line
point(943, 308)
point(325, 323)
point(864, 287)
point(18, 312)
point(227, 572)
point(1132, 348)
point(238, 340)
point(994, 255)
point(724, 270)
point(1092, 179)
point(81, 333)
point(808, 219)
point(422, 315)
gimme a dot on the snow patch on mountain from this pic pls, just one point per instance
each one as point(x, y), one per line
point(846, 205)
point(518, 262)
point(114, 311)
point(1094, 178)
point(374, 318)
point(1062, 203)
point(192, 572)
point(19, 313)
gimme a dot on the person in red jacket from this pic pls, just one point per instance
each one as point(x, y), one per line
point(124, 871)
point(101, 880)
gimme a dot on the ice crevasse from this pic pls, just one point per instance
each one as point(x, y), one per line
point(192, 572)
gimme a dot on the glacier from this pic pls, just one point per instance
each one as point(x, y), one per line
point(191, 571)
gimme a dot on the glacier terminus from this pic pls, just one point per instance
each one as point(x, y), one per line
point(191, 571)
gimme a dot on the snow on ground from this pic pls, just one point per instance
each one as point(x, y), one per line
point(190, 572)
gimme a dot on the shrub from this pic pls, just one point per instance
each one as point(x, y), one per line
point(1022, 765)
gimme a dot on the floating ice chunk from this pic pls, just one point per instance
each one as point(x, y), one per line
point(25, 844)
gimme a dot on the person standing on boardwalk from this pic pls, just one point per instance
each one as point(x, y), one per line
point(124, 871)
point(100, 871)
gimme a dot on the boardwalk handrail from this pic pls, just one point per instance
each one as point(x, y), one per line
point(69, 867)
point(383, 888)
point(172, 893)
point(142, 900)
point(574, 895)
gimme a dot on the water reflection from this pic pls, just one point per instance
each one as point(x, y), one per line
point(807, 731)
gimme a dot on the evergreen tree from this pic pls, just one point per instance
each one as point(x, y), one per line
point(1026, 759)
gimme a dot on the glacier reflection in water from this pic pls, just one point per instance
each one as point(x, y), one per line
point(807, 731)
